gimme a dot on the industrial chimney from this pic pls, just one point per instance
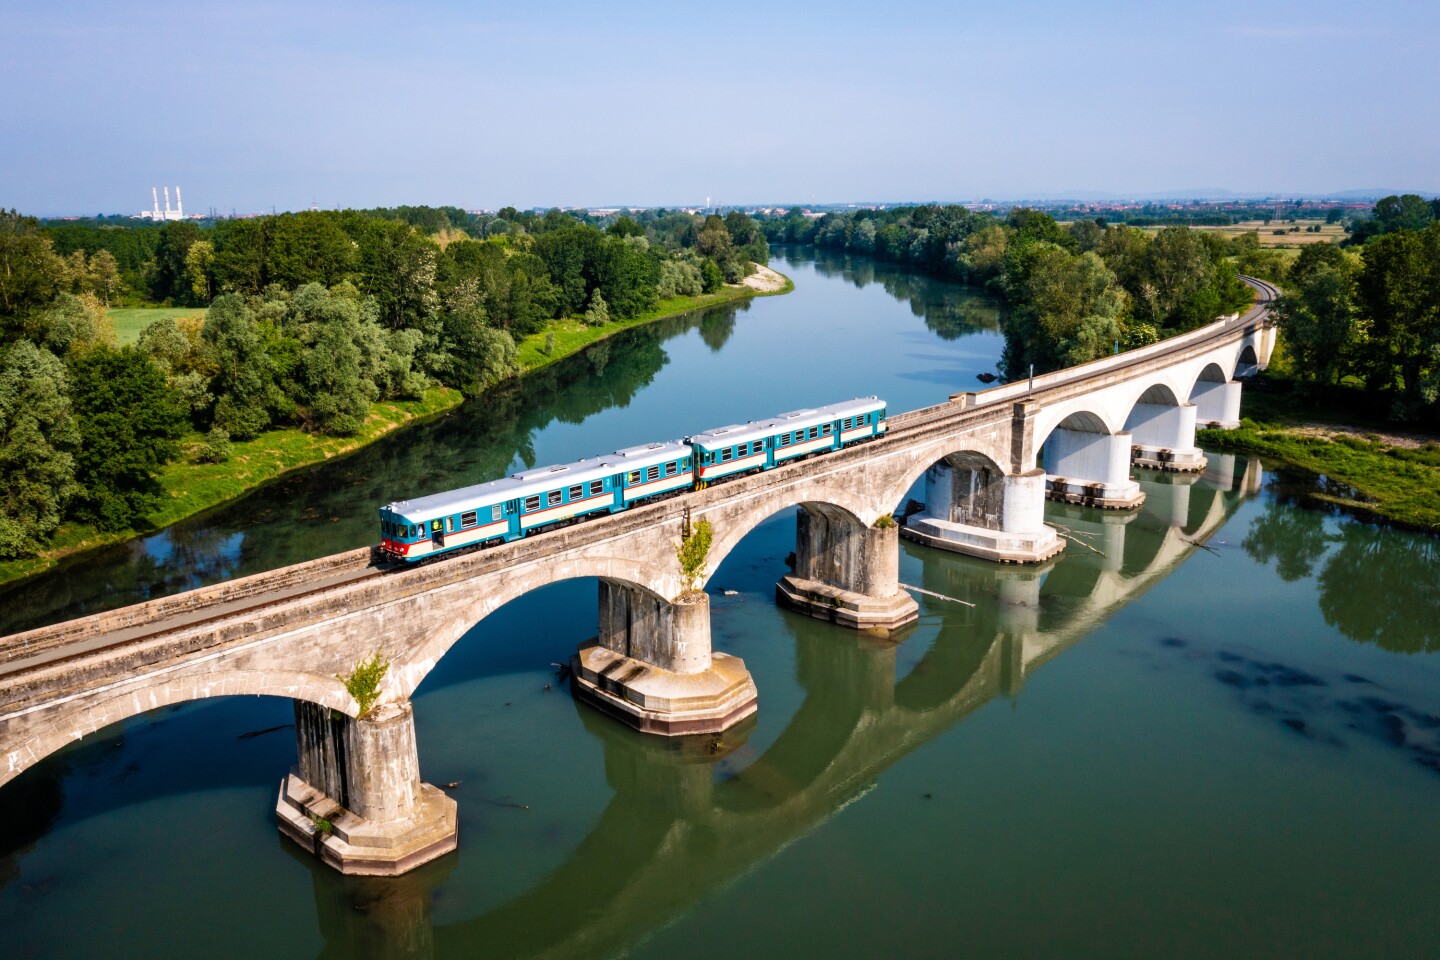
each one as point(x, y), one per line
point(179, 207)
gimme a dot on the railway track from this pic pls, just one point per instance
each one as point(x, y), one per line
point(141, 624)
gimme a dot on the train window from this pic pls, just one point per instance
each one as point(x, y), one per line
point(825, 429)
point(450, 524)
point(784, 439)
point(633, 476)
point(597, 487)
point(532, 503)
point(576, 492)
point(726, 454)
point(670, 469)
point(652, 474)
point(814, 432)
point(469, 519)
point(495, 513)
point(553, 497)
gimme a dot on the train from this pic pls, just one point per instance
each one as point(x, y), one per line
point(517, 506)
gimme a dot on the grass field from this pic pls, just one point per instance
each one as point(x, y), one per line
point(1295, 234)
point(130, 321)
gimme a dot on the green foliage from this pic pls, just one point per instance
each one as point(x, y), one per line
point(363, 683)
point(597, 314)
point(38, 443)
point(129, 421)
point(30, 270)
point(322, 825)
point(884, 522)
point(244, 380)
point(216, 447)
point(692, 552)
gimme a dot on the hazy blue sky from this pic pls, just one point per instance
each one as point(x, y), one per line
point(249, 105)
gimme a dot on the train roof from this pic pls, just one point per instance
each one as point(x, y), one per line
point(528, 483)
point(794, 420)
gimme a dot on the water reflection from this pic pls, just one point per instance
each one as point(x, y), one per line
point(1376, 585)
point(689, 816)
point(950, 311)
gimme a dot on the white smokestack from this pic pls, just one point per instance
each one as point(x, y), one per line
point(179, 208)
point(154, 204)
point(167, 203)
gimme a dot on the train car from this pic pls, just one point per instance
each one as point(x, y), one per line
point(412, 529)
point(859, 419)
point(726, 451)
point(652, 470)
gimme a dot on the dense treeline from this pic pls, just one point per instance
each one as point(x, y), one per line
point(1076, 292)
point(311, 317)
point(1371, 316)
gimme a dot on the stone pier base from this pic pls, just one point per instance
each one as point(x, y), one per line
point(653, 700)
point(996, 545)
point(354, 845)
point(1085, 493)
point(845, 607)
point(356, 800)
point(1173, 461)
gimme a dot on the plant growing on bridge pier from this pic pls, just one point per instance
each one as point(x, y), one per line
point(692, 552)
point(884, 522)
point(364, 682)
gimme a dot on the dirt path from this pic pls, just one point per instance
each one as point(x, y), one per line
point(1331, 431)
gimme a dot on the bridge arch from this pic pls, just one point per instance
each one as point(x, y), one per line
point(1247, 363)
point(961, 458)
point(463, 607)
point(32, 742)
point(834, 504)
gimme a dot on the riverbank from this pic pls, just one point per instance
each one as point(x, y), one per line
point(192, 488)
point(1367, 468)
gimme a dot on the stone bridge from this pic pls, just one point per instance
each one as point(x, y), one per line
point(989, 460)
point(673, 829)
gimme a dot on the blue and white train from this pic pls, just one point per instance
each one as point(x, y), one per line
point(514, 507)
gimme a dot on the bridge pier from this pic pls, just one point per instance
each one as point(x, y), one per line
point(1217, 405)
point(355, 799)
point(1164, 437)
point(846, 572)
point(652, 667)
point(973, 508)
point(1091, 469)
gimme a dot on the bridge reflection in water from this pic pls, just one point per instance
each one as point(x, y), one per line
point(681, 824)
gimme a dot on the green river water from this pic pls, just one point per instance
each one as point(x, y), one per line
point(1142, 749)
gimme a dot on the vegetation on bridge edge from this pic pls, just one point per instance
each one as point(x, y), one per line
point(190, 488)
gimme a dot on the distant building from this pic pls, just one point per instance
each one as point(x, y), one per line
point(155, 213)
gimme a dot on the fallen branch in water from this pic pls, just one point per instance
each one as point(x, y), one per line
point(1202, 546)
point(938, 596)
point(1067, 534)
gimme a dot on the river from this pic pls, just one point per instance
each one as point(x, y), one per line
point(1144, 748)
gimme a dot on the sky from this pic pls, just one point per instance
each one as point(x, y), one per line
point(253, 105)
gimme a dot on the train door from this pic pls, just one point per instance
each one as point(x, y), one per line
point(437, 533)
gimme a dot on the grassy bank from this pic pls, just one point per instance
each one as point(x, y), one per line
point(194, 487)
point(1370, 471)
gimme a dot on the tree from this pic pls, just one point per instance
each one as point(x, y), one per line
point(30, 270)
point(597, 314)
point(199, 260)
point(244, 380)
point(1317, 315)
point(105, 277)
point(38, 442)
point(75, 325)
point(1407, 212)
point(1400, 290)
point(692, 553)
point(130, 421)
point(170, 280)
